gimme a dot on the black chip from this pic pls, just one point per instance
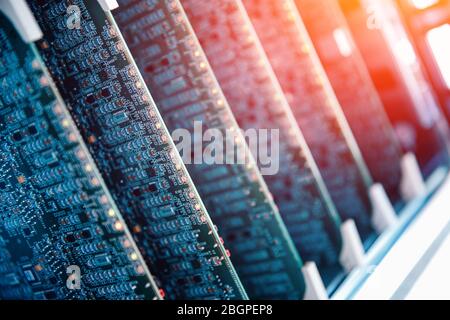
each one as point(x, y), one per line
point(117, 177)
point(86, 234)
point(17, 136)
point(90, 99)
point(28, 111)
point(50, 295)
point(83, 217)
point(70, 238)
point(70, 82)
point(196, 264)
point(105, 92)
point(151, 172)
point(32, 130)
point(103, 75)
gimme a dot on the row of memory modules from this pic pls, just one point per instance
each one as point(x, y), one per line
point(97, 201)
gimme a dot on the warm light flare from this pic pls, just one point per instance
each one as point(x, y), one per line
point(439, 41)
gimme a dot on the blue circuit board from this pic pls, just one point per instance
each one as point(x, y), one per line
point(257, 101)
point(396, 73)
point(184, 88)
point(355, 91)
point(127, 138)
point(316, 109)
point(55, 211)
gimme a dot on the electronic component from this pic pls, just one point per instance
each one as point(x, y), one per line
point(392, 62)
point(355, 91)
point(315, 107)
point(55, 211)
point(126, 136)
point(184, 88)
point(257, 101)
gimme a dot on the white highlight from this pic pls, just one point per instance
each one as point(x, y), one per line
point(439, 42)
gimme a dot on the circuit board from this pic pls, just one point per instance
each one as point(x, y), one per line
point(355, 91)
point(55, 211)
point(398, 78)
point(184, 88)
point(257, 101)
point(316, 109)
point(127, 138)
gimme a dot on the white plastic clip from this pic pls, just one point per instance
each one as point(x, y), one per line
point(20, 15)
point(412, 184)
point(315, 289)
point(352, 254)
point(383, 214)
point(108, 5)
